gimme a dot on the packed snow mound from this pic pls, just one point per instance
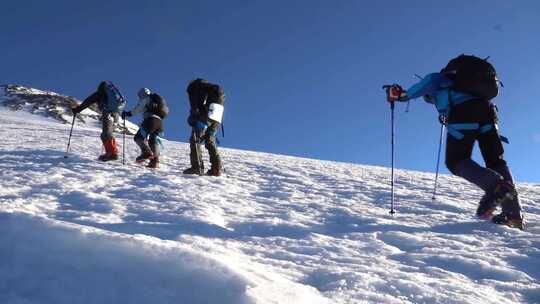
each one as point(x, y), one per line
point(50, 104)
point(275, 229)
point(68, 263)
point(74, 264)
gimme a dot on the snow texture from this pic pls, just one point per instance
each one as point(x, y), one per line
point(276, 229)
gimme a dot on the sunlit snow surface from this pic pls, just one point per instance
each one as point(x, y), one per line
point(278, 229)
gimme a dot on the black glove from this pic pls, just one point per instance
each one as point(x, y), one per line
point(75, 110)
point(443, 119)
point(126, 114)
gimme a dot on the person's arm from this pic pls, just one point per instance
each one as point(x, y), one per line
point(429, 85)
point(432, 88)
point(93, 98)
point(139, 108)
point(196, 102)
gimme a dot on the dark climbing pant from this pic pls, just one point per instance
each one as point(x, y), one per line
point(208, 136)
point(146, 137)
point(459, 151)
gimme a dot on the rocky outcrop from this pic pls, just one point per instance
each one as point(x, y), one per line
point(50, 104)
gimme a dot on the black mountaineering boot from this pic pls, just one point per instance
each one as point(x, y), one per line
point(144, 156)
point(486, 206)
point(154, 163)
point(506, 195)
point(194, 170)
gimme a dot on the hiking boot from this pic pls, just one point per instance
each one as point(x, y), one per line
point(193, 170)
point(486, 206)
point(111, 150)
point(154, 163)
point(107, 157)
point(214, 171)
point(513, 220)
point(506, 195)
point(144, 156)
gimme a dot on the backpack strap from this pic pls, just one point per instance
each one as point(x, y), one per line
point(456, 128)
point(489, 127)
point(115, 100)
point(486, 128)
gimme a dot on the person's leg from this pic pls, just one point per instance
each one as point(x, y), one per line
point(195, 157)
point(504, 192)
point(107, 126)
point(154, 144)
point(111, 150)
point(493, 153)
point(141, 140)
point(459, 162)
point(155, 128)
point(211, 146)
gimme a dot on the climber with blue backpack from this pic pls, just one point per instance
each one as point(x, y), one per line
point(110, 102)
point(154, 109)
point(462, 93)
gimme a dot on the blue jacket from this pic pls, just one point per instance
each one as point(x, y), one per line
point(435, 88)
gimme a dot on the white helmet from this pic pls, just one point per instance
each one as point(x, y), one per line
point(144, 92)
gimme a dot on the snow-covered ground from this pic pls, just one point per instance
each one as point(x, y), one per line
point(277, 229)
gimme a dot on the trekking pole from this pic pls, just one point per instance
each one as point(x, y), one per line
point(70, 133)
point(198, 141)
point(392, 106)
point(124, 144)
point(222, 166)
point(438, 162)
point(392, 174)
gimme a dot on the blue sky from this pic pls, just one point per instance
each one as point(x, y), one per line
point(302, 77)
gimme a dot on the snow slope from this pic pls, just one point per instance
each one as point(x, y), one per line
point(278, 229)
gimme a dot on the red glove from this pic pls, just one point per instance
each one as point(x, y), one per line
point(395, 93)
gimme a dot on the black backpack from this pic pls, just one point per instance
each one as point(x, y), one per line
point(473, 75)
point(215, 94)
point(157, 105)
point(203, 92)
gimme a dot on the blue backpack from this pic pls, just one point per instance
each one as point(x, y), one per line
point(115, 101)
